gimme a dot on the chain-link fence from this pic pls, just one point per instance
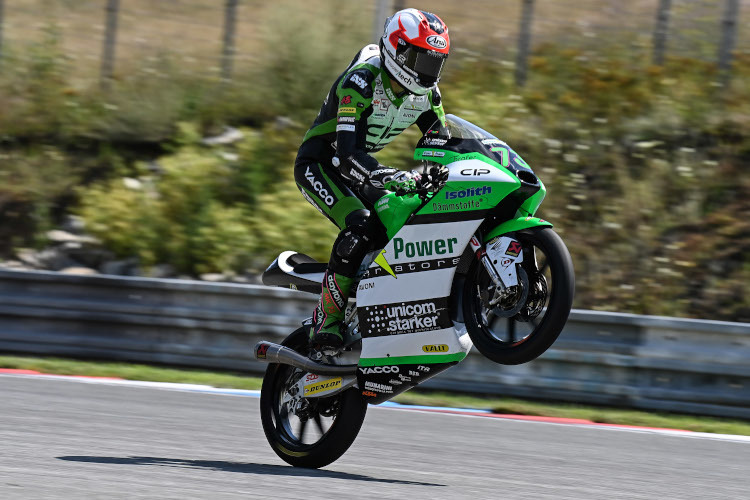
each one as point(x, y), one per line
point(104, 37)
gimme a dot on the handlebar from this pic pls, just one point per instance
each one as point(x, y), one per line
point(432, 181)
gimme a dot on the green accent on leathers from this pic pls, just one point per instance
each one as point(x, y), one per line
point(332, 306)
point(324, 128)
point(387, 114)
point(439, 111)
point(343, 208)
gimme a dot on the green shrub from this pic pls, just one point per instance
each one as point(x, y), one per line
point(36, 183)
point(208, 209)
point(645, 166)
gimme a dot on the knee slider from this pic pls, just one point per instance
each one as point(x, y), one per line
point(351, 244)
point(348, 251)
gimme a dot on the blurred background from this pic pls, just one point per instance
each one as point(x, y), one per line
point(157, 137)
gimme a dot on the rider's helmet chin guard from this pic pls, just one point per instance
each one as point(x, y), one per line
point(414, 47)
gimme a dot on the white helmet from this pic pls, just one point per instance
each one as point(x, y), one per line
point(413, 48)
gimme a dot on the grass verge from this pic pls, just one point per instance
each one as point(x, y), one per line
point(618, 416)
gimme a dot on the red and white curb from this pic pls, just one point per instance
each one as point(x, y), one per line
point(464, 412)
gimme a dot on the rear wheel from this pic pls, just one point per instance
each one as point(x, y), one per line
point(516, 325)
point(307, 432)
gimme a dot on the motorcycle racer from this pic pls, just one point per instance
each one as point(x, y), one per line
point(384, 90)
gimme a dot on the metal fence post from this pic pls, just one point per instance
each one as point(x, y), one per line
point(2, 5)
point(524, 42)
point(661, 31)
point(728, 38)
point(110, 40)
point(228, 51)
point(382, 9)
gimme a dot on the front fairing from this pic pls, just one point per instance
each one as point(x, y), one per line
point(484, 171)
point(459, 140)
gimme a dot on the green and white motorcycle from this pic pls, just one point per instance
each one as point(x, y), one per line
point(466, 263)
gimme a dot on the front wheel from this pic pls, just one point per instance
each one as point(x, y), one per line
point(306, 432)
point(518, 324)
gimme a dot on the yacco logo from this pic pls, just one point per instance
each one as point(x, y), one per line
point(380, 369)
point(423, 248)
point(318, 187)
point(323, 386)
point(468, 193)
point(435, 348)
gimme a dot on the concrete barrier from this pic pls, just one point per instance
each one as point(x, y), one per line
point(618, 359)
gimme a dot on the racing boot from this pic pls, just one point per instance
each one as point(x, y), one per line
point(328, 324)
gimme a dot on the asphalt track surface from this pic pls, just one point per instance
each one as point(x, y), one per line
point(63, 439)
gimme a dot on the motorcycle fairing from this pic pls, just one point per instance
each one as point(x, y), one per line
point(516, 224)
point(402, 300)
point(380, 387)
point(417, 264)
point(381, 376)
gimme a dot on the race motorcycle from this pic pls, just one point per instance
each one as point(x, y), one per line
point(466, 263)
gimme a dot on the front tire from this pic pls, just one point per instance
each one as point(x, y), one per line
point(304, 432)
point(528, 319)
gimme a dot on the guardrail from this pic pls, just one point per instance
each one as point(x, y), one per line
point(618, 359)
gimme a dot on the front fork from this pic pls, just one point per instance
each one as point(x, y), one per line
point(499, 257)
point(481, 253)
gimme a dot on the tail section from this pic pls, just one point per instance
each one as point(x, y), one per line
point(296, 271)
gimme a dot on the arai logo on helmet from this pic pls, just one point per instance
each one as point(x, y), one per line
point(437, 41)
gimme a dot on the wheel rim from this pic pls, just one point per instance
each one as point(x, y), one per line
point(514, 319)
point(301, 422)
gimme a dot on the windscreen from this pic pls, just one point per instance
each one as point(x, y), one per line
point(461, 136)
point(457, 128)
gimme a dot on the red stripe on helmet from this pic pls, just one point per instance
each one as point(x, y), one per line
point(425, 31)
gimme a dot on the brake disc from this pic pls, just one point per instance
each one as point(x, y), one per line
point(510, 301)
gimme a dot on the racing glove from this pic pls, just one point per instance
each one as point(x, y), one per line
point(395, 180)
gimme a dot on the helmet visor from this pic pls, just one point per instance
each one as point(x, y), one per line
point(427, 64)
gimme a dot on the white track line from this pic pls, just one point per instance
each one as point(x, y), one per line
point(461, 412)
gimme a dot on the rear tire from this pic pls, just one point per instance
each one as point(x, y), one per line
point(335, 421)
point(511, 333)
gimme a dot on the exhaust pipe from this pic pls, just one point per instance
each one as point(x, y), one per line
point(268, 352)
